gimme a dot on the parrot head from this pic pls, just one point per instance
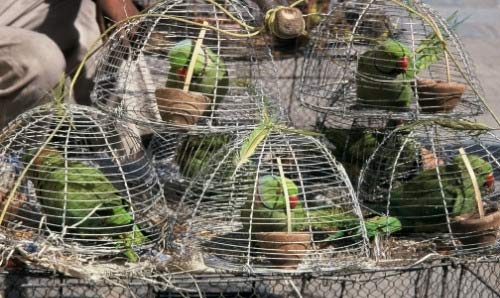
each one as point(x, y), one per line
point(180, 55)
point(47, 157)
point(271, 194)
point(393, 57)
point(482, 169)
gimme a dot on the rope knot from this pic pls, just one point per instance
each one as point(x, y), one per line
point(285, 22)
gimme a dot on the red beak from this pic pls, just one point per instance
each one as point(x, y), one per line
point(294, 200)
point(490, 182)
point(403, 64)
point(182, 72)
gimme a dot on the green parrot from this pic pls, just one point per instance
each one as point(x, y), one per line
point(268, 213)
point(383, 225)
point(195, 151)
point(269, 210)
point(418, 203)
point(210, 75)
point(384, 76)
point(86, 189)
point(352, 148)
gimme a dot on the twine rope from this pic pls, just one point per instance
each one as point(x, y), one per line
point(270, 18)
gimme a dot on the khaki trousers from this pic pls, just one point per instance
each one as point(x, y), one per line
point(39, 40)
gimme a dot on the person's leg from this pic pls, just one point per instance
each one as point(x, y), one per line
point(71, 25)
point(31, 64)
point(89, 32)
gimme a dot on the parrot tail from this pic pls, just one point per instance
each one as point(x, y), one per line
point(128, 239)
point(131, 239)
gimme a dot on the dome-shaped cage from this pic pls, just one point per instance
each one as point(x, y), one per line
point(438, 178)
point(277, 202)
point(385, 58)
point(144, 74)
point(86, 184)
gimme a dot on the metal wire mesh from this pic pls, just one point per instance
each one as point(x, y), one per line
point(439, 279)
point(420, 175)
point(87, 187)
point(225, 91)
point(290, 207)
point(239, 210)
point(436, 280)
point(376, 58)
point(24, 283)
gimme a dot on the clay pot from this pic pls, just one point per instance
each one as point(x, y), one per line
point(179, 106)
point(435, 96)
point(284, 249)
point(474, 231)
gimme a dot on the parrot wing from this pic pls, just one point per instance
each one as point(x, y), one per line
point(195, 152)
point(74, 192)
point(382, 225)
point(417, 198)
point(463, 189)
point(213, 77)
point(381, 89)
point(113, 210)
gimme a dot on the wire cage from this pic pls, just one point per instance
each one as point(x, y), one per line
point(438, 178)
point(219, 90)
point(387, 58)
point(436, 279)
point(86, 187)
point(274, 202)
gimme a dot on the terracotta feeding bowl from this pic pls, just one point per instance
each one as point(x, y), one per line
point(284, 249)
point(474, 231)
point(181, 107)
point(436, 96)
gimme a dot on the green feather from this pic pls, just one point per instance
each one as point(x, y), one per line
point(353, 147)
point(209, 74)
point(82, 195)
point(382, 225)
point(195, 152)
point(419, 202)
point(266, 212)
point(270, 191)
point(380, 81)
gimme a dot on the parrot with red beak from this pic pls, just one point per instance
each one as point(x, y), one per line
point(266, 211)
point(210, 75)
point(384, 76)
point(418, 203)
